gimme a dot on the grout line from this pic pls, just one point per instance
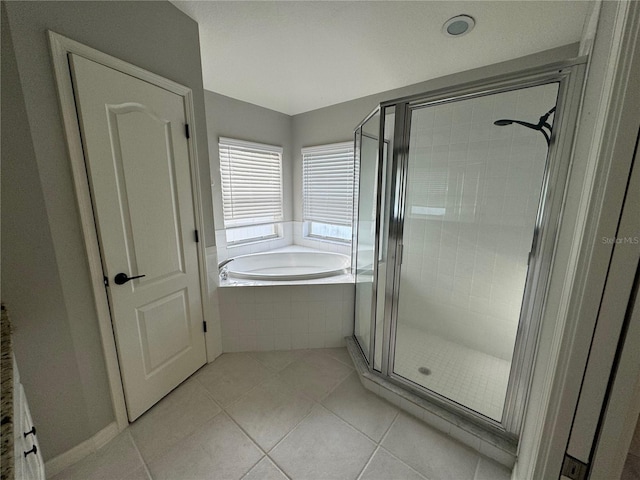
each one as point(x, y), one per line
point(377, 442)
point(300, 352)
point(384, 435)
point(251, 467)
point(245, 394)
point(284, 438)
point(192, 378)
point(293, 391)
point(317, 404)
point(264, 453)
point(254, 442)
point(369, 460)
point(350, 364)
point(208, 394)
point(233, 420)
point(272, 369)
point(261, 382)
point(402, 461)
point(135, 445)
point(378, 446)
point(333, 389)
point(348, 424)
point(292, 429)
point(278, 467)
point(475, 473)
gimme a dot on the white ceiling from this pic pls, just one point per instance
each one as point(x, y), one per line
point(296, 56)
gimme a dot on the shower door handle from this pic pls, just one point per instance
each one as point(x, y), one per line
point(400, 253)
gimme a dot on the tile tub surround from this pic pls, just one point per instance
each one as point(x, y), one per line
point(285, 317)
point(300, 415)
point(489, 444)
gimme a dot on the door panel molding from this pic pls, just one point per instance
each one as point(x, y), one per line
point(61, 47)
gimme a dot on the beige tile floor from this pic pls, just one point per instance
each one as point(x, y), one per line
point(281, 415)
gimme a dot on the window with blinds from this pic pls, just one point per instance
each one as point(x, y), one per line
point(328, 178)
point(251, 175)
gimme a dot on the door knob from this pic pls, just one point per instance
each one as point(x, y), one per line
point(122, 278)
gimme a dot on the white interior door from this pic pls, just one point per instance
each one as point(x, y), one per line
point(137, 159)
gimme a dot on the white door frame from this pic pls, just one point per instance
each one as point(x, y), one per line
point(60, 47)
point(608, 137)
point(610, 438)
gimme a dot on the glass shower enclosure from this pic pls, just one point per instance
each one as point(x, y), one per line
point(459, 193)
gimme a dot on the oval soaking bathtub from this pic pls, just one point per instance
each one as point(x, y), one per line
point(288, 265)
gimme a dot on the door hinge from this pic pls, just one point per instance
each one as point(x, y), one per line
point(106, 281)
point(204, 326)
point(186, 130)
point(196, 235)
point(574, 469)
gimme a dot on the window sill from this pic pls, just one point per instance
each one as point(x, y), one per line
point(254, 242)
point(344, 243)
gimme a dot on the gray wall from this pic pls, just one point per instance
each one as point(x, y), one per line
point(45, 276)
point(337, 122)
point(228, 117)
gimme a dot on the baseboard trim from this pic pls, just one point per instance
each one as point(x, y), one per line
point(57, 464)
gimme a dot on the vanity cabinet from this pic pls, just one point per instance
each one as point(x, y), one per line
point(28, 463)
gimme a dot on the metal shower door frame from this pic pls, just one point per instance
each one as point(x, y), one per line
point(358, 134)
point(570, 78)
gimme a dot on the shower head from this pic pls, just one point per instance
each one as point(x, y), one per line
point(542, 123)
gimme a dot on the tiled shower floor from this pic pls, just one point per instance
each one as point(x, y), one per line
point(299, 414)
point(469, 377)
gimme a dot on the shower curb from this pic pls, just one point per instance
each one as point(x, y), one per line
point(498, 448)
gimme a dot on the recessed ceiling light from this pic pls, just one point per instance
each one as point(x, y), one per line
point(458, 26)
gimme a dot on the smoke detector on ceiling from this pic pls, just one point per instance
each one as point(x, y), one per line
point(458, 26)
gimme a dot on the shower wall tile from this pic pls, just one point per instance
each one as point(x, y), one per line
point(472, 198)
point(262, 318)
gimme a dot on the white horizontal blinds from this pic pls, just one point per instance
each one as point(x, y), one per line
point(328, 183)
point(356, 176)
point(251, 182)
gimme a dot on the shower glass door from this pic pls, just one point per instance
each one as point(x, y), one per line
point(365, 218)
point(471, 202)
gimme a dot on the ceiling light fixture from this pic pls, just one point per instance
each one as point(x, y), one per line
point(458, 26)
